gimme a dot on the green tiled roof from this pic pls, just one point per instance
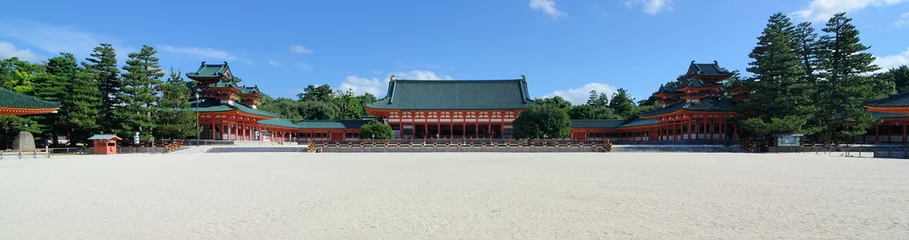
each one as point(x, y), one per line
point(603, 123)
point(667, 90)
point(641, 122)
point(889, 115)
point(332, 124)
point(250, 90)
point(214, 105)
point(102, 136)
point(12, 99)
point(210, 70)
point(709, 69)
point(895, 100)
point(280, 122)
point(706, 104)
point(455, 95)
point(695, 83)
point(599, 123)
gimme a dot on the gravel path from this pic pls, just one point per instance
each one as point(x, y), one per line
point(455, 196)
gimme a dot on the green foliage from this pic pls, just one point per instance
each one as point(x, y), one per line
point(376, 129)
point(138, 94)
point(548, 121)
point(288, 108)
point(786, 125)
point(322, 93)
point(53, 85)
point(898, 76)
point(103, 63)
point(315, 110)
point(556, 101)
point(18, 75)
point(597, 100)
point(10, 126)
point(846, 67)
point(622, 104)
point(175, 119)
point(80, 110)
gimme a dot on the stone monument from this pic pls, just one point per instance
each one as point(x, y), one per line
point(24, 142)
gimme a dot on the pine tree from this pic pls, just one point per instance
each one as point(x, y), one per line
point(80, 110)
point(846, 67)
point(138, 93)
point(779, 93)
point(176, 120)
point(622, 104)
point(103, 63)
point(53, 85)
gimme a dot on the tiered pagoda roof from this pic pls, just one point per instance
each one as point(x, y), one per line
point(454, 95)
point(219, 88)
point(698, 90)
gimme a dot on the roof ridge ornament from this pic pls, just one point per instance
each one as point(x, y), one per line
point(392, 79)
point(523, 78)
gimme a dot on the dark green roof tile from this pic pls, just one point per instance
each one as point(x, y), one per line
point(278, 123)
point(455, 95)
point(12, 99)
point(889, 115)
point(210, 70)
point(709, 69)
point(214, 105)
point(598, 123)
point(641, 122)
point(102, 136)
point(895, 100)
point(325, 124)
point(706, 104)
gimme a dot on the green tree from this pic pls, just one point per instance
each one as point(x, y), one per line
point(783, 90)
point(322, 93)
point(375, 129)
point(350, 105)
point(556, 101)
point(899, 77)
point(138, 93)
point(17, 75)
point(846, 66)
point(175, 120)
point(315, 110)
point(103, 63)
point(583, 112)
point(622, 104)
point(548, 121)
point(288, 108)
point(80, 110)
point(53, 85)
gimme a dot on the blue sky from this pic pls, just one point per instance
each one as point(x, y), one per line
point(563, 47)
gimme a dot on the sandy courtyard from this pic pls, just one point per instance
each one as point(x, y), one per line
point(454, 196)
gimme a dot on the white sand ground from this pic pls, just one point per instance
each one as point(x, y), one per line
point(455, 196)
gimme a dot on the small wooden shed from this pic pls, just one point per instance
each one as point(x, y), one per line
point(105, 143)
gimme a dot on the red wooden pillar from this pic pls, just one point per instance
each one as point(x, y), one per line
point(877, 135)
point(450, 125)
point(904, 131)
point(213, 130)
point(476, 124)
point(463, 126)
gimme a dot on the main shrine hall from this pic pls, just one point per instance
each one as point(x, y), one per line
point(696, 108)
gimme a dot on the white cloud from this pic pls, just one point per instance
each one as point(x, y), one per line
point(822, 10)
point(8, 50)
point(892, 61)
point(55, 39)
point(378, 87)
point(580, 95)
point(903, 21)
point(651, 6)
point(420, 75)
point(305, 67)
point(361, 85)
point(274, 63)
point(204, 53)
point(300, 49)
point(546, 6)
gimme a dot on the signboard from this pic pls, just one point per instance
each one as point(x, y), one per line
point(788, 140)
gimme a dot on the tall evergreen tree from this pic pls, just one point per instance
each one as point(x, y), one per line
point(899, 77)
point(80, 110)
point(103, 63)
point(622, 104)
point(846, 66)
point(780, 92)
point(138, 93)
point(176, 121)
point(53, 85)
